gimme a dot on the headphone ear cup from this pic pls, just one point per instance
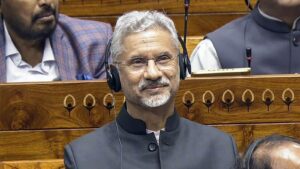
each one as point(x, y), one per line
point(113, 80)
point(182, 66)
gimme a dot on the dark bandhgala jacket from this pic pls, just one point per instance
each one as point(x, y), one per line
point(275, 46)
point(78, 47)
point(124, 144)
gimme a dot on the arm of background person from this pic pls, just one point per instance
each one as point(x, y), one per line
point(204, 57)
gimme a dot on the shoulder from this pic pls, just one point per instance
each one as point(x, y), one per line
point(212, 141)
point(213, 136)
point(97, 147)
point(234, 26)
point(88, 142)
point(76, 24)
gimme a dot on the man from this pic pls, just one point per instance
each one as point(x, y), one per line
point(273, 152)
point(39, 44)
point(148, 133)
point(270, 35)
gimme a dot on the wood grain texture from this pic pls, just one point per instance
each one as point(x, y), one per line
point(33, 164)
point(205, 16)
point(118, 7)
point(26, 106)
point(198, 24)
point(238, 112)
point(49, 144)
point(36, 144)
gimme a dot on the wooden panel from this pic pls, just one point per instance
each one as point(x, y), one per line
point(192, 42)
point(238, 111)
point(118, 7)
point(35, 145)
point(205, 16)
point(26, 106)
point(34, 164)
point(198, 24)
point(48, 144)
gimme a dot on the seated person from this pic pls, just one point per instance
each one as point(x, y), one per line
point(148, 132)
point(38, 44)
point(271, 33)
point(273, 152)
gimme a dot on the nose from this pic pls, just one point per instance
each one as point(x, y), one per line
point(152, 72)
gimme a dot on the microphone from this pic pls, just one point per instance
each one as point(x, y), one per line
point(249, 56)
point(186, 15)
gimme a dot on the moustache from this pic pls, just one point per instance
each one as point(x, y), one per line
point(147, 84)
point(46, 11)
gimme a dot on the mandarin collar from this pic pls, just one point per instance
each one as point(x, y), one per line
point(270, 24)
point(136, 126)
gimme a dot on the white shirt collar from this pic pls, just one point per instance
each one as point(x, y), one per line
point(156, 133)
point(19, 70)
point(10, 48)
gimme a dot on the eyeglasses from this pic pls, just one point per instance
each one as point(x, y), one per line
point(140, 63)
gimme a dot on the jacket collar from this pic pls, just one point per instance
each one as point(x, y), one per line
point(60, 52)
point(2, 53)
point(272, 25)
point(136, 126)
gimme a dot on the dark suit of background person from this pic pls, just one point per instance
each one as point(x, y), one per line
point(273, 152)
point(78, 45)
point(149, 76)
point(271, 30)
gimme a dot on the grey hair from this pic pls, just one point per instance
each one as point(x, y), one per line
point(139, 21)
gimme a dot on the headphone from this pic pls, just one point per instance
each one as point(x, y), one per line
point(112, 73)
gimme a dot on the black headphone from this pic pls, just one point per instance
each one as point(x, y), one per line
point(112, 73)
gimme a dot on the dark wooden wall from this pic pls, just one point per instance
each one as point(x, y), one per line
point(205, 15)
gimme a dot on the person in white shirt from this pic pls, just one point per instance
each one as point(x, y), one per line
point(39, 44)
point(270, 33)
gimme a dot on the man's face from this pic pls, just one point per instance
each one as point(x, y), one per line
point(149, 71)
point(30, 19)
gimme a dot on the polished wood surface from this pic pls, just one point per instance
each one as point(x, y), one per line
point(35, 122)
point(33, 164)
point(25, 106)
point(205, 16)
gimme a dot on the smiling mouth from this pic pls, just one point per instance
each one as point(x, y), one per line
point(153, 87)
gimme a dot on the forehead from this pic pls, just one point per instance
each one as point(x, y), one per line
point(148, 42)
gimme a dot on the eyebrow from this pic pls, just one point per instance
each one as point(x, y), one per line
point(160, 54)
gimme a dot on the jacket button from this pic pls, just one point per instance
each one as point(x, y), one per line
point(295, 41)
point(152, 147)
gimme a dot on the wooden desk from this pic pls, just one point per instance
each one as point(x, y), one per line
point(35, 125)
